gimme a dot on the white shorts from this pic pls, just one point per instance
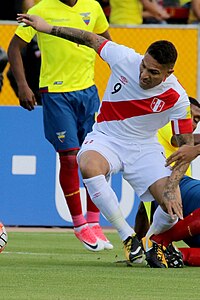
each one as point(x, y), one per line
point(141, 164)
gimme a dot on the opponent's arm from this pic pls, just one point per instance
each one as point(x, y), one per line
point(169, 193)
point(196, 139)
point(25, 94)
point(77, 36)
point(184, 154)
point(182, 139)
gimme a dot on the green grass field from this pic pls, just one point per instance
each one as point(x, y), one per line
point(54, 265)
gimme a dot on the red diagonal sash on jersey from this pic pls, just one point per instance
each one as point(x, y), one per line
point(125, 109)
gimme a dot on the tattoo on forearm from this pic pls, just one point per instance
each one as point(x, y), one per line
point(78, 36)
point(184, 139)
point(177, 174)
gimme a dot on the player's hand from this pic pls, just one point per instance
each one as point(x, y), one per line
point(174, 208)
point(27, 98)
point(185, 154)
point(36, 22)
point(171, 199)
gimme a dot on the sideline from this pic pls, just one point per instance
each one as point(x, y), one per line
point(48, 229)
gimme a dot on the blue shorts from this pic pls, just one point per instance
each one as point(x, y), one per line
point(190, 192)
point(68, 117)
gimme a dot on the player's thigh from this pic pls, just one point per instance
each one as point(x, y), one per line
point(60, 124)
point(147, 167)
point(88, 108)
point(98, 155)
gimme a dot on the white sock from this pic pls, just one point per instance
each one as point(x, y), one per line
point(162, 221)
point(105, 199)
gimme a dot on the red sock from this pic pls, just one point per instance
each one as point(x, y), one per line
point(183, 229)
point(191, 256)
point(69, 181)
point(93, 212)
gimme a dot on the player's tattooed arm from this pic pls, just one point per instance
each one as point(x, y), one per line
point(178, 170)
point(185, 153)
point(183, 139)
point(178, 157)
point(79, 36)
point(74, 35)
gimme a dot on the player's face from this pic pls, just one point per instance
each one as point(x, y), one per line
point(195, 111)
point(152, 73)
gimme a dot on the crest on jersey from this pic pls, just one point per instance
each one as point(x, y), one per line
point(61, 136)
point(157, 105)
point(86, 17)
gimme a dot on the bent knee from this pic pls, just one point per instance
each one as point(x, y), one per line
point(91, 164)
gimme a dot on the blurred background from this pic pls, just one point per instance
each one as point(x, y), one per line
point(24, 173)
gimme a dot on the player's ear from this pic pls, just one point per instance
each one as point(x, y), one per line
point(170, 71)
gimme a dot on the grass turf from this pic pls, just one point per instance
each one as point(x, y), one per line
point(54, 265)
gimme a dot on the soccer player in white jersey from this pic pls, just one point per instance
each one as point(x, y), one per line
point(142, 96)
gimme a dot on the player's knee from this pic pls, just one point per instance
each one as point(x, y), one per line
point(88, 167)
point(91, 165)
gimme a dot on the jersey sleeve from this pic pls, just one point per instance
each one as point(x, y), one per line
point(181, 120)
point(26, 33)
point(113, 53)
point(101, 24)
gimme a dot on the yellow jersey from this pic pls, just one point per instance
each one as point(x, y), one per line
point(164, 136)
point(66, 66)
point(124, 12)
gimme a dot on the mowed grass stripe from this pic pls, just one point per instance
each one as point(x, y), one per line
point(56, 266)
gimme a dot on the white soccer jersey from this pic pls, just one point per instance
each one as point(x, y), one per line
point(129, 112)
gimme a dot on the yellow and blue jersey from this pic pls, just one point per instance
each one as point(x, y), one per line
point(66, 66)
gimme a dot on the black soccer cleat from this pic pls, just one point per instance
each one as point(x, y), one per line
point(173, 257)
point(133, 249)
point(154, 254)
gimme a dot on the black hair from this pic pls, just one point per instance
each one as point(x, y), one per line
point(194, 102)
point(164, 52)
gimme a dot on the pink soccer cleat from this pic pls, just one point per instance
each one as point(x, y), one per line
point(97, 230)
point(89, 239)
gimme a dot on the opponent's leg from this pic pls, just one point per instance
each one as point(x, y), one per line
point(191, 256)
point(69, 180)
point(184, 229)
